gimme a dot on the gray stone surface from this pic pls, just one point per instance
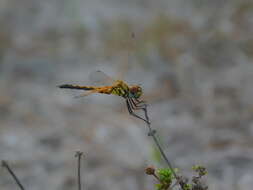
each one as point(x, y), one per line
point(193, 59)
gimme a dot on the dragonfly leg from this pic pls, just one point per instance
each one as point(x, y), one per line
point(140, 101)
point(131, 112)
point(138, 105)
point(133, 105)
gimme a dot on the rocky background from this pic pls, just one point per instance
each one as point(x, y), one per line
point(193, 59)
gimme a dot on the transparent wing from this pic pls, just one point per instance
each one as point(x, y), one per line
point(100, 78)
point(84, 94)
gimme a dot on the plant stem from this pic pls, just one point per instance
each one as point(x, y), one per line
point(79, 156)
point(5, 165)
point(152, 133)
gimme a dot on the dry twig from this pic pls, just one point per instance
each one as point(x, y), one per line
point(79, 156)
point(5, 165)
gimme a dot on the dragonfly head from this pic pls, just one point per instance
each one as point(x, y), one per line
point(135, 91)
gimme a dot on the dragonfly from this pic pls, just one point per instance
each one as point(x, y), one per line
point(131, 93)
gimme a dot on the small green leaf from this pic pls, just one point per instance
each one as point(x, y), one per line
point(159, 186)
point(187, 187)
point(165, 175)
point(201, 170)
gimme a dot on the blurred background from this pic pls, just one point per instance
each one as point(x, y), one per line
point(193, 59)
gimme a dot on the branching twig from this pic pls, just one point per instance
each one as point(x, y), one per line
point(5, 165)
point(79, 156)
point(152, 133)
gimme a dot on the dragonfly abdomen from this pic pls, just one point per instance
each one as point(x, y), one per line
point(70, 86)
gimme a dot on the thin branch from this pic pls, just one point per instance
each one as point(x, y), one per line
point(79, 156)
point(5, 165)
point(152, 133)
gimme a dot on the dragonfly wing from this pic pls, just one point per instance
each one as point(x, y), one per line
point(100, 78)
point(84, 94)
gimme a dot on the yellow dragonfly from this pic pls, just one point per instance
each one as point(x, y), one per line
point(131, 93)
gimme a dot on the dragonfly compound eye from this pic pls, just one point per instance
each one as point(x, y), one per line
point(136, 91)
